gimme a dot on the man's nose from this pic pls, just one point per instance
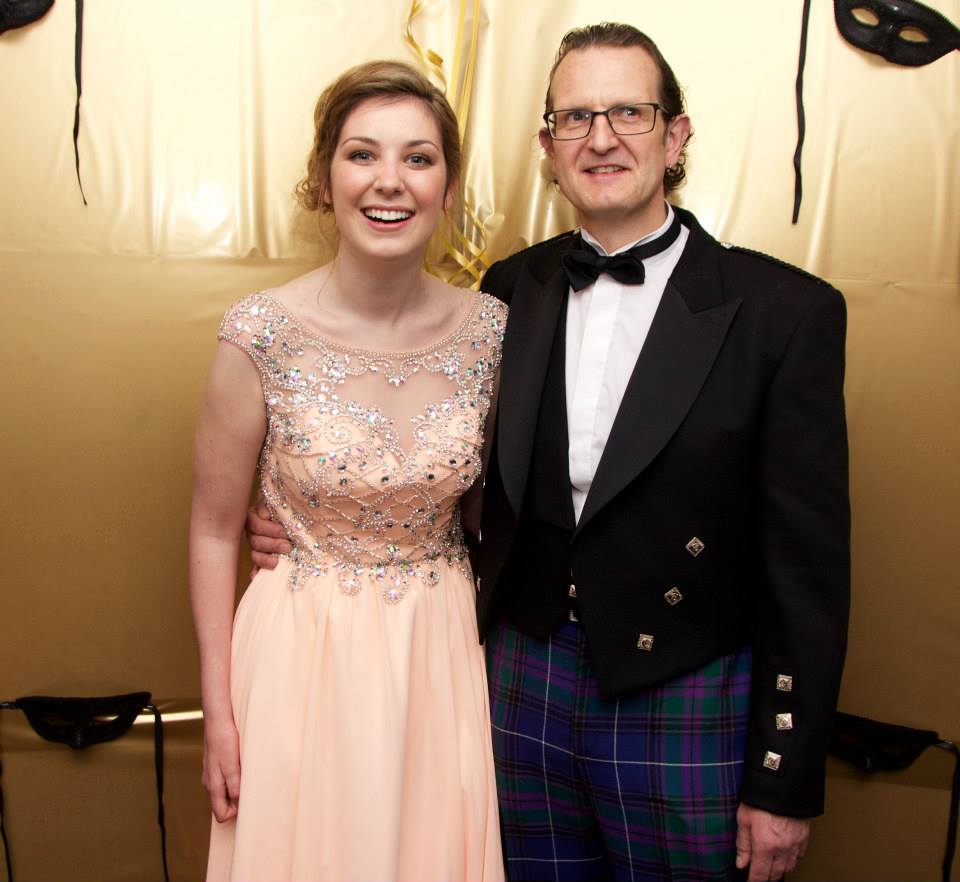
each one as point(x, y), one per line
point(602, 137)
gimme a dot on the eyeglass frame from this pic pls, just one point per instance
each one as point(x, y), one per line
point(605, 113)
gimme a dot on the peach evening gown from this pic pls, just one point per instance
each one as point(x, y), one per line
point(357, 679)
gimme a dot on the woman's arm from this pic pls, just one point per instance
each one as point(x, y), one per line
point(229, 436)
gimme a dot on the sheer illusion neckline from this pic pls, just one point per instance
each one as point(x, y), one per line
point(312, 335)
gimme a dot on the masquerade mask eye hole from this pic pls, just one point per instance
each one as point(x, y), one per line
point(913, 35)
point(865, 16)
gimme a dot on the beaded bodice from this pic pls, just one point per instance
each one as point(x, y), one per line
point(367, 453)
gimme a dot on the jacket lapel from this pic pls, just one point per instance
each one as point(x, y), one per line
point(535, 309)
point(684, 340)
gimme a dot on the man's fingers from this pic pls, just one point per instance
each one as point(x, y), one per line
point(743, 846)
point(259, 523)
point(771, 844)
point(268, 544)
point(787, 863)
point(760, 868)
point(262, 561)
point(770, 861)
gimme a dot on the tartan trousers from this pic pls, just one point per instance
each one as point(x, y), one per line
point(641, 788)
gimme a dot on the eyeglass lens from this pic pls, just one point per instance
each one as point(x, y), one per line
point(628, 119)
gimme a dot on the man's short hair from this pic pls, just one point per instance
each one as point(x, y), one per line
point(622, 36)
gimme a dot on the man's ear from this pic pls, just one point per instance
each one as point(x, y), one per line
point(546, 142)
point(678, 130)
point(546, 167)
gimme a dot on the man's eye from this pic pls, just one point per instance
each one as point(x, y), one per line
point(628, 111)
point(575, 116)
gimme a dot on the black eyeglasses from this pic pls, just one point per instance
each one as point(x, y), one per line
point(624, 119)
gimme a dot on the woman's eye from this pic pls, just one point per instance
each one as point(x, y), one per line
point(361, 155)
point(421, 159)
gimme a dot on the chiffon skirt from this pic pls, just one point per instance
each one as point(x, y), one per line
point(364, 736)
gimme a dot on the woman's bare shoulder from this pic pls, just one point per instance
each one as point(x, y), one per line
point(297, 292)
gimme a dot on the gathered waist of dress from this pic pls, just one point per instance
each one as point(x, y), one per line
point(390, 573)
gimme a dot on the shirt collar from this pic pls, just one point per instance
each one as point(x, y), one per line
point(585, 235)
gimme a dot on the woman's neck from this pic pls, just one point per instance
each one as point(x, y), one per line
point(377, 291)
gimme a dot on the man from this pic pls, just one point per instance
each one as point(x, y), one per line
point(664, 567)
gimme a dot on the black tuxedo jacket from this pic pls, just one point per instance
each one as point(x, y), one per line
point(730, 435)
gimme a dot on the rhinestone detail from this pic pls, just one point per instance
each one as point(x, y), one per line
point(367, 490)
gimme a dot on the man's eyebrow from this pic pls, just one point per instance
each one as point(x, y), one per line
point(373, 141)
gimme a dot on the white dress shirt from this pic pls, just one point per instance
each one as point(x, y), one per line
point(607, 324)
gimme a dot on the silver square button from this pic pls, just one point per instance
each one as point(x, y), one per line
point(695, 546)
point(772, 760)
point(784, 683)
point(673, 596)
point(784, 722)
point(645, 642)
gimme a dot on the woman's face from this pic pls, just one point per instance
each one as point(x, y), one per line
point(388, 179)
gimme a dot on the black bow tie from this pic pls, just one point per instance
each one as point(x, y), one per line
point(584, 265)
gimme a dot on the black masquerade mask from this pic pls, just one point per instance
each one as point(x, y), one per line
point(17, 13)
point(902, 31)
point(874, 746)
point(80, 722)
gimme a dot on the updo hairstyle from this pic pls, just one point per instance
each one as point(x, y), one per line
point(375, 79)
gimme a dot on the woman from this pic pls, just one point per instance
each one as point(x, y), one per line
point(346, 729)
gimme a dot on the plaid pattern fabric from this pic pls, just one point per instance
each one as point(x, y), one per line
point(639, 788)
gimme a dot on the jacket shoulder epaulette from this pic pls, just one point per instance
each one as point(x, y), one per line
point(775, 261)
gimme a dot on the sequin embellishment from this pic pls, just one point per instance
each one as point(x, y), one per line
point(367, 453)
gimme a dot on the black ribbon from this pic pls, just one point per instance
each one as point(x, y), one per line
point(77, 67)
point(801, 119)
point(584, 265)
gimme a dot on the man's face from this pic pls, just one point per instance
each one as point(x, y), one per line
point(614, 181)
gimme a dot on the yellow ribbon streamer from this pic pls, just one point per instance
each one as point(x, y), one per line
point(429, 59)
point(470, 257)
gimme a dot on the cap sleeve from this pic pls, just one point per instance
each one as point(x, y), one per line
point(493, 319)
point(255, 325)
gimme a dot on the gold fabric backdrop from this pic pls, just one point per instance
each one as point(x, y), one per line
point(196, 119)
